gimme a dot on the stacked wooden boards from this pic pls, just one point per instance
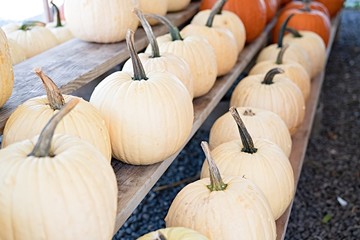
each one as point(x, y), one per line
point(77, 63)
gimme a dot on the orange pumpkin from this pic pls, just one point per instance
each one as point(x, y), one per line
point(307, 4)
point(283, 2)
point(251, 12)
point(333, 6)
point(271, 8)
point(310, 20)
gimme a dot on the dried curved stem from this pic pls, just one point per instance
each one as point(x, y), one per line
point(139, 72)
point(43, 144)
point(216, 9)
point(173, 30)
point(269, 77)
point(54, 96)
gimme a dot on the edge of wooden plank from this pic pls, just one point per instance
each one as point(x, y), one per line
point(301, 137)
point(134, 182)
point(75, 63)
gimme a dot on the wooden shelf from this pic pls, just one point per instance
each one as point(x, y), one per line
point(75, 63)
point(301, 138)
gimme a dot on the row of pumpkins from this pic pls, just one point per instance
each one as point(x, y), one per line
point(34, 37)
point(142, 115)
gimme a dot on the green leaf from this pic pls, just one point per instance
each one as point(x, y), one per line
point(326, 218)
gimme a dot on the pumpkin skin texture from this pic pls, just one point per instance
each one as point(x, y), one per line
point(271, 8)
point(251, 12)
point(313, 5)
point(177, 5)
point(292, 70)
point(259, 122)
point(313, 45)
point(174, 233)
point(84, 121)
point(16, 51)
point(334, 6)
point(204, 205)
point(259, 160)
point(313, 20)
point(6, 70)
point(281, 96)
point(35, 40)
point(69, 193)
point(225, 19)
point(294, 53)
point(223, 42)
point(96, 21)
point(153, 6)
point(199, 55)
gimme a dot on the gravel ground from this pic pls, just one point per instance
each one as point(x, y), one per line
point(331, 170)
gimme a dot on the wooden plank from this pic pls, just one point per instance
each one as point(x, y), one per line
point(75, 63)
point(134, 182)
point(301, 137)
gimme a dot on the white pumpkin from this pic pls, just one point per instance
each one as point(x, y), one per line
point(6, 70)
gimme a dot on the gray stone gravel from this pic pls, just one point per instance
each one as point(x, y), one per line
point(331, 168)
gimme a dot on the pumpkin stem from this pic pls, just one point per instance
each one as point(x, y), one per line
point(139, 72)
point(306, 5)
point(282, 30)
point(160, 236)
point(149, 33)
point(57, 13)
point(294, 32)
point(244, 134)
point(216, 9)
point(280, 56)
point(54, 96)
point(43, 144)
point(28, 25)
point(269, 77)
point(173, 30)
point(248, 112)
point(216, 182)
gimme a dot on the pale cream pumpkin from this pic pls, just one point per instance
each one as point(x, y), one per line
point(83, 122)
point(233, 209)
point(154, 6)
point(34, 38)
point(259, 122)
point(10, 27)
point(220, 38)
point(59, 28)
point(177, 5)
point(293, 53)
point(16, 51)
point(292, 70)
point(312, 44)
point(196, 51)
point(174, 233)
point(56, 187)
point(165, 62)
point(99, 21)
point(279, 95)
point(149, 116)
point(6, 70)
point(226, 19)
point(260, 161)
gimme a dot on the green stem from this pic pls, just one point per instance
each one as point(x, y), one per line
point(216, 9)
point(269, 77)
point(248, 144)
point(280, 56)
point(54, 96)
point(294, 32)
point(149, 33)
point(57, 13)
point(139, 72)
point(282, 30)
point(306, 5)
point(43, 144)
point(28, 25)
point(216, 182)
point(173, 30)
